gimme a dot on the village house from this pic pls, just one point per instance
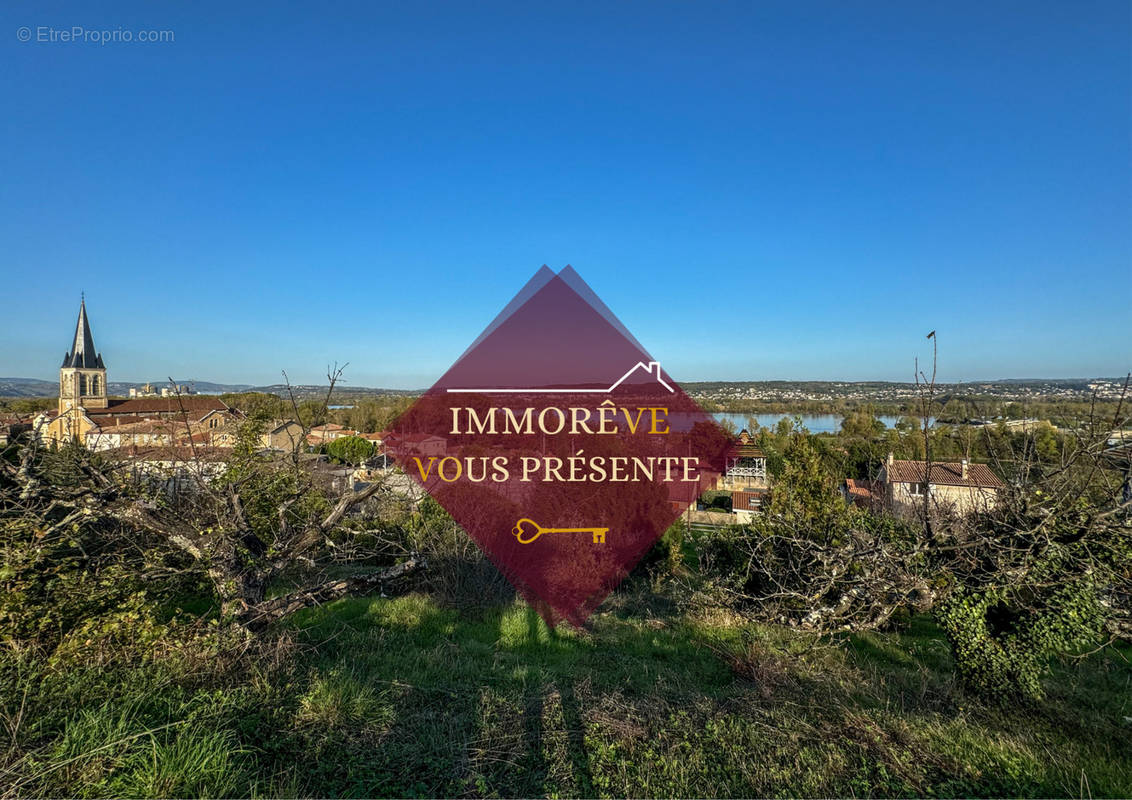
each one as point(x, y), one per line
point(746, 503)
point(376, 439)
point(12, 425)
point(321, 434)
point(284, 435)
point(961, 487)
point(114, 433)
point(421, 443)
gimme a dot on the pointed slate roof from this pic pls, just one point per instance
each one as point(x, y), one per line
point(82, 354)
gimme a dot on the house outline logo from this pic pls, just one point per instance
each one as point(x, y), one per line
point(652, 368)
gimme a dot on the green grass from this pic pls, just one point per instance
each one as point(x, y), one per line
point(404, 697)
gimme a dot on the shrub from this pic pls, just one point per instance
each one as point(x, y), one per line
point(716, 499)
point(1003, 644)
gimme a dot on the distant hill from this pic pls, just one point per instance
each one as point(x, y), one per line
point(340, 390)
point(1033, 383)
point(28, 387)
point(201, 387)
point(34, 387)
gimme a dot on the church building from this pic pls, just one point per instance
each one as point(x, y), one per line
point(87, 413)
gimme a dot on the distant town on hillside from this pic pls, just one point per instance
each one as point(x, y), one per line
point(1015, 389)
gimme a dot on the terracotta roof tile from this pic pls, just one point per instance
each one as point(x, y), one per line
point(944, 474)
point(867, 494)
point(167, 453)
point(195, 405)
point(134, 425)
point(746, 501)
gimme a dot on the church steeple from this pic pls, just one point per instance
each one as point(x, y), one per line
point(82, 354)
point(82, 377)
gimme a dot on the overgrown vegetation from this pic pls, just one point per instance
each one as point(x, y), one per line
point(1045, 573)
point(224, 634)
point(405, 697)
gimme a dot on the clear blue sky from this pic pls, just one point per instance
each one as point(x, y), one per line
point(759, 191)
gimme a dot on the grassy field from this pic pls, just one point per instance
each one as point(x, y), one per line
point(405, 697)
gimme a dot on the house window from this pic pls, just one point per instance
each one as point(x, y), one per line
point(917, 489)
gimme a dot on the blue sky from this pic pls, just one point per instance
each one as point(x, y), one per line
point(758, 190)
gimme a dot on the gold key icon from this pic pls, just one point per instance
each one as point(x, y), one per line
point(537, 530)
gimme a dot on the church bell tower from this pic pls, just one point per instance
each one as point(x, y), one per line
point(82, 378)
